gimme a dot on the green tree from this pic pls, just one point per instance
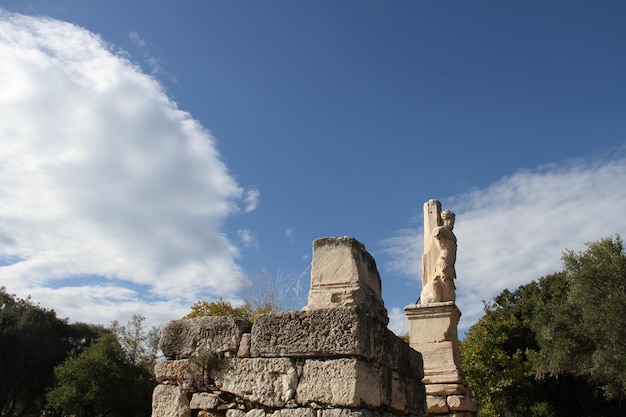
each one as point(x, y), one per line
point(495, 356)
point(223, 307)
point(100, 381)
point(264, 293)
point(583, 333)
point(544, 349)
point(32, 342)
point(141, 346)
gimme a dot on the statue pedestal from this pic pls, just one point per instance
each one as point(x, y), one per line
point(433, 333)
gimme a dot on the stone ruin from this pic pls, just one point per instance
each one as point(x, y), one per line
point(335, 358)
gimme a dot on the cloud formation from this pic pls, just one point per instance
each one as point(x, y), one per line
point(516, 230)
point(111, 196)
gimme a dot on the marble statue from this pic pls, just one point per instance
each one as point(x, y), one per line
point(438, 273)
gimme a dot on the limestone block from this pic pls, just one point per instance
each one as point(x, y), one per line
point(187, 337)
point(182, 372)
point(244, 346)
point(322, 333)
point(268, 381)
point(441, 362)
point(346, 382)
point(204, 401)
point(446, 389)
point(399, 356)
point(435, 322)
point(398, 400)
point(416, 398)
point(436, 404)
point(235, 413)
point(256, 413)
point(343, 274)
point(461, 403)
point(170, 401)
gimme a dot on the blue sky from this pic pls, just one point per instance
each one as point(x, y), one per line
point(153, 153)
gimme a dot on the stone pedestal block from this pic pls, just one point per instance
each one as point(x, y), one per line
point(433, 332)
point(344, 274)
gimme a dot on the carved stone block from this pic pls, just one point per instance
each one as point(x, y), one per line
point(344, 274)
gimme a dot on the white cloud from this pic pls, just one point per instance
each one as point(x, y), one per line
point(398, 323)
point(247, 238)
point(516, 230)
point(101, 175)
point(251, 199)
point(134, 36)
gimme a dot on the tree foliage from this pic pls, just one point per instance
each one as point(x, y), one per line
point(264, 293)
point(101, 381)
point(32, 342)
point(141, 347)
point(543, 349)
point(584, 333)
point(223, 307)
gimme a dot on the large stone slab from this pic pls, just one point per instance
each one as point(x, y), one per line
point(271, 382)
point(180, 372)
point(344, 274)
point(341, 382)
point(323, 333)
point(187, 337)
point(204, 401)
point(170, 401)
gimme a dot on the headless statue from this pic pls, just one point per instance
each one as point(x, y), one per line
point(438, 272)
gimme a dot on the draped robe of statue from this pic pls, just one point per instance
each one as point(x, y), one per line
point(438, 271)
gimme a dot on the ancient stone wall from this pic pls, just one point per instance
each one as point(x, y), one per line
point(336, 358)
point(318, 363)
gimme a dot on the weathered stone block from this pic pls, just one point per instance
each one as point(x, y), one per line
point(436, 404)
point(343, 274)
point(398, 400)
point(446, 389)
point(441, 363)
point(244, 346)
point(416, 397)
point(323, 333)
point(204, 401)
point(187, 337)
point(170, 401)
point(461, 403)
point(181, 372)
point(268, 381)
point(399, 356)
point(340, 382)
